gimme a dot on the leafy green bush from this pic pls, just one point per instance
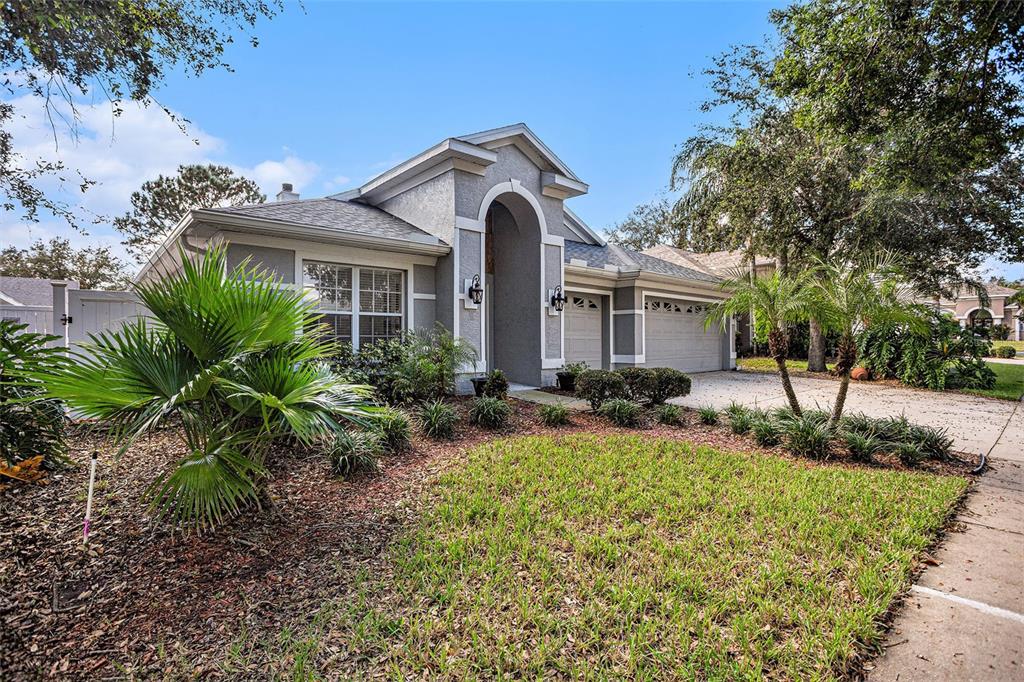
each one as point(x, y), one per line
point(438, 420)
point(708, 415)
point(575, 368)
point(598, 385)
point(669, 383)
point(863, 446)
point(376, 364)
point(429, 370)
point(946, 356)
point(393, 429)
point(235, 357)
point(352, 451)
point(807, 436)
point(740, 422)
point(1001, 332)
point(621, 412)
point(670, 415)
point(491, 413)
point(496, 385)
point(31, 425)
point(554, 415)
point(1005, 352)
point(639, 381)
point(766, 431)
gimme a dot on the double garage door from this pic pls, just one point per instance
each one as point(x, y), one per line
point(676, 336)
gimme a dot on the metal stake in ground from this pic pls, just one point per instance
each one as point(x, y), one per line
point(88, 500)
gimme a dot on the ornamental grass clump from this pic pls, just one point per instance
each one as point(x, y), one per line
point(438, 420)
point(235, 360)
point(766, 431)
point(670, 415)
point(622, 412)
point(491, 413)
point(393, 429)
point(553, 415)
point(353, 451)
point(741, 422)
point(708, 415)
point(807, 436)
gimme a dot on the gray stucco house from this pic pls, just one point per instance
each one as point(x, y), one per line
point(402, 252)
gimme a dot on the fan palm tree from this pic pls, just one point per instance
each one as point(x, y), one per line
point(233, 356)
point(777, 300)
point(852, 295)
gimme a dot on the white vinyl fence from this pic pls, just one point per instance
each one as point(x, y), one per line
point(80, 312)
point(38, 318)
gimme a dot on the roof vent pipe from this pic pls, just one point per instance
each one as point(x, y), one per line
point(286, 193)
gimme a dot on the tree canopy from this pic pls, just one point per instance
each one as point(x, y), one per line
point(62, 50)
point(159, 204)
point(94, 267)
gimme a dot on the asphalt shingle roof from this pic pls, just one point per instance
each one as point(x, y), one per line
point(628, 259)
point(30, 290)
point(345, 216)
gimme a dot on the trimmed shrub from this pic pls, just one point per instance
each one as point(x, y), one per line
point(740, 422)
point(640, 383)
point(1005, 352)
point(621, 412)
point(496, 385)
point(438, 420)
point(491, 413)
point(393, 429)
point(863, 447)
point(708, 415)
point(353, 451)
point(670, 415)
point(554, 415)
point(599, 385)
point(806, 436)
point(766, 432)
point(1001, 332)
point(669, 383)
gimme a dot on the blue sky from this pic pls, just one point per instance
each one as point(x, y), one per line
point(337, 92)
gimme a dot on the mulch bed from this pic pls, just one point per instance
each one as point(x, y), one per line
point(142, 600)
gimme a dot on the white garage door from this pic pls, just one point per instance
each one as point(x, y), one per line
point(583, 329)
point(676, 336)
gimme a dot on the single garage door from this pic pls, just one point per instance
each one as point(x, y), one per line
point(676, 336)
point(583, 329)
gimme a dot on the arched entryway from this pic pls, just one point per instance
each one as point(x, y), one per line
point(979, 319)
point(512, 263)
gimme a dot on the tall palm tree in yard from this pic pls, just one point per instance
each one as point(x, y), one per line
point(852, 295)
point(777, 301)
point(234, 359)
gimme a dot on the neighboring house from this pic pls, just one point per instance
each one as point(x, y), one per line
point(28, 300)
point(404, 250)
point(968, 310)
point(724, 264)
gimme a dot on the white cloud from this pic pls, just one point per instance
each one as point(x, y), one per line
point(120, 154)
point(336, 183)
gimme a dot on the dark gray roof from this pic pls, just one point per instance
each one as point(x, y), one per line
point(345, 216)
point(30, 290)
point(628, 259)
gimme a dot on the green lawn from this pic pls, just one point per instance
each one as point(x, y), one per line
point(1009, 382)
point(1019, 345)
point(768, 365)
point(625, 557)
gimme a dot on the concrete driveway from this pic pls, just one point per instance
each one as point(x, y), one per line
point(964, 619)
point(978, 425)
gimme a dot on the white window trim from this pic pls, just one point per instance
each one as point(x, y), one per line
point(356, 312)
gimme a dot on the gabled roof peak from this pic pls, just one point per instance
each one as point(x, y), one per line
point(535, 148)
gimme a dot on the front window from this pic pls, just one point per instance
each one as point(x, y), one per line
point(376, 313)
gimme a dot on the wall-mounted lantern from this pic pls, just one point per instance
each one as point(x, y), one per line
point(475, 291)
point(558, 299)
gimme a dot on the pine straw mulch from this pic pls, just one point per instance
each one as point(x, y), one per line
point(142, 601)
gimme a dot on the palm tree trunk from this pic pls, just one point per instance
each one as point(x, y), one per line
point(846, 358)
point(778, 345)
point(837, 409)
point(816, 348)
